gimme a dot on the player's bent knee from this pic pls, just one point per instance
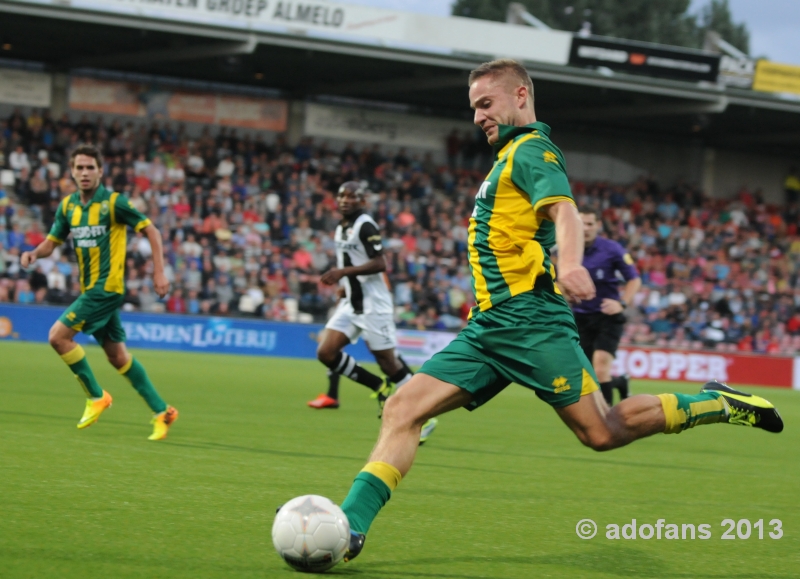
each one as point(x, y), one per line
point(326, 355)
point(55, 338)
point(401, 411)
point(117, 360)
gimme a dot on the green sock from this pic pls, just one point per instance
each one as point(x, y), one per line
point(364, 501)
point(684, 411)
point(137, 376)
point(76, 360)
point(370, 491)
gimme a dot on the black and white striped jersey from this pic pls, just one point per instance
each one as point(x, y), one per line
point(357, 241)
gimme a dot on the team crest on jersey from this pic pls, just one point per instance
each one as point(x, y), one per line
point(349, 232)
point(104, 208)
point(70, 207)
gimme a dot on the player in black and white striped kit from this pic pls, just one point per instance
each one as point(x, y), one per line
point(366, 308)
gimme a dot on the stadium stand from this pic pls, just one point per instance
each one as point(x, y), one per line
point(248, 231)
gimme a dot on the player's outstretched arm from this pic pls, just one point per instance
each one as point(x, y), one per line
point(44, 249)
point(575, 281)
point(160, 283)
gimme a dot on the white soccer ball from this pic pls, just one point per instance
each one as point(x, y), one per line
point(311, 533)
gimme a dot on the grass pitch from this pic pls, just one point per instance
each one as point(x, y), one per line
point(496, 493)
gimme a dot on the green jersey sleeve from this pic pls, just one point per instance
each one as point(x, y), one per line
point(60, 229)
point(539, 169)
point(125, 212)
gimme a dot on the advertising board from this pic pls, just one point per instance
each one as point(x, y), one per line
point(645, 58)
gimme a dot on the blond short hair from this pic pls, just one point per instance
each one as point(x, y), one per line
point(504, 67)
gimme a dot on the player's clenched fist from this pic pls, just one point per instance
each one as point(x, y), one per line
point(27, 259)
point(160, 284)
point(576, 283)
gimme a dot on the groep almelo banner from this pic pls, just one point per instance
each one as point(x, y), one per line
point(344, 22)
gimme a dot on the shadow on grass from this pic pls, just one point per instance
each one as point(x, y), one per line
point(39, 415)
point(74, 564)
point(599, 561)
point(583, 459)
point(620, 562)
point(73, 418)
point(204, 445)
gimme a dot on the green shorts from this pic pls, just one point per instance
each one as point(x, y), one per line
point(530, 339)
point(97, 313)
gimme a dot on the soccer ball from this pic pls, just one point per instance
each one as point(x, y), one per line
point(311, 533)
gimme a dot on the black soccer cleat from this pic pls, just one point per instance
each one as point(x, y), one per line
point(746, 409)
point(356, 544)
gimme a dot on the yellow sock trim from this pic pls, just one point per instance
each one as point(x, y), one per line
point(384, 471)
point(74, 356)
point(127, 366)
point(675, 417)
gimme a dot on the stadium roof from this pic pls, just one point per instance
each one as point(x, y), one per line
point(302, 65)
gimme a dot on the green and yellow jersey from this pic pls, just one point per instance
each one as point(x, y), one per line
point(510, 234)
point(99, 235)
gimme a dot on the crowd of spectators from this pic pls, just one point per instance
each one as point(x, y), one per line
point(248, 224)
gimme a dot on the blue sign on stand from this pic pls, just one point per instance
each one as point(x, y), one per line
point(182, 333)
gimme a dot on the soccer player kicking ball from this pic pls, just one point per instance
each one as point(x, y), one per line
point(98, 220)
point(364, 310)
point(522, 329)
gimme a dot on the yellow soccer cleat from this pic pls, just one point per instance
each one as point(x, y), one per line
point(746, 409)
point(427, 430)
point(161, 423)
point(94, 408)
point(382, 394)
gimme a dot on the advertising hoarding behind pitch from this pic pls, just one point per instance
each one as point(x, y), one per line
point(645, 58)
point(144, 100)
point(384, 127)
point(255, 337)
point(22, 87)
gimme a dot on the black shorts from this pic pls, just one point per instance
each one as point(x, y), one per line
point(600, 332)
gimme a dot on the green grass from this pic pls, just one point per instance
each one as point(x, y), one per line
point(496, 493)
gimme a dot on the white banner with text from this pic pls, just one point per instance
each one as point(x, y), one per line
point(346, 22)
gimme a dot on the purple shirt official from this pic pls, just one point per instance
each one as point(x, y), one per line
point(603, 259)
